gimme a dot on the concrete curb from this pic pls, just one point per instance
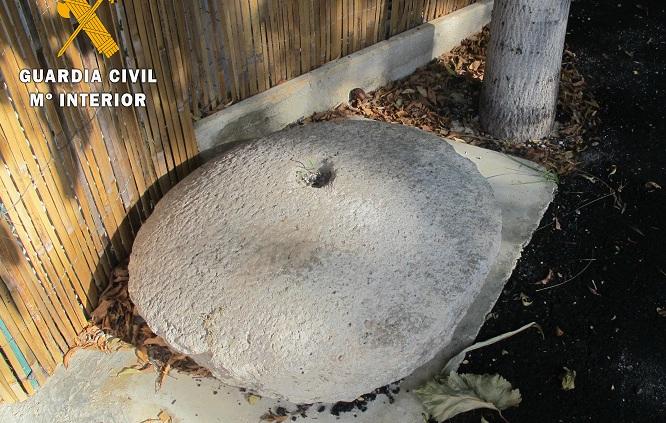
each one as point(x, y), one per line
point(329, 85)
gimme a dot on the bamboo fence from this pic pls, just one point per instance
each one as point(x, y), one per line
point(76, 183)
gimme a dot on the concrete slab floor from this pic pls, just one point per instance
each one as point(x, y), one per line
point(90, 390)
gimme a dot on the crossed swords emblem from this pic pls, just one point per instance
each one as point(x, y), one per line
point(89, 23)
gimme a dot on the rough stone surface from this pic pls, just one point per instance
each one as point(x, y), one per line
point(318, 294)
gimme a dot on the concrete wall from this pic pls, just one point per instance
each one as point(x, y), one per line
point(329, 85)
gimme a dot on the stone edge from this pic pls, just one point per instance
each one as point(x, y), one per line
point(524, 222)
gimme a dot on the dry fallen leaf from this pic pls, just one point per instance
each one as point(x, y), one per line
point(125, 371)
point(141, 354)
point(161, 375)
point(558, 332)
point(273, 418)
point(68, 356)
point(114, 344)
point(164, 371)
point(162, 417)
point(102, 309)
point(547, 279)
point(526, 300)
point(156, 340)
point(445, 94)
point(114, 325)
point(652, 186)
point(252, 398)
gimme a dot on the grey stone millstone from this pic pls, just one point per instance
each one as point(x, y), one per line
point(318, 294)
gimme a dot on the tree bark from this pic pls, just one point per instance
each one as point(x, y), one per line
point(522, 76)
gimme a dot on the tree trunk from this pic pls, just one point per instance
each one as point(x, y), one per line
point(522, 76)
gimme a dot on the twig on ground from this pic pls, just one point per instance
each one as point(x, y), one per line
point(589, 262)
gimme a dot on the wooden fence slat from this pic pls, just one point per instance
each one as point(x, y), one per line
point(82, 132)
point(82, 129)
point(126, 119)
point(336, 29)
point(163, 97)
point(30, 60)
point(260, 56)
point(297, 47)
point(276, 11)
point(315, 32)
point(19, 354)
point(266, 33)
point(199, 21)
point(197, 90)
point(180, 84)
point(219, 48)
point(58, 225)
point(38, 247)
point(34, 228)
point(11, 65)
point(165, 85)
point(10, 387)
point(144, 50)
point(6, 394)
point(31, 299)
point(150, 124)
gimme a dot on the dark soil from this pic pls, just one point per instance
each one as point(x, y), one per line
point(603, 238)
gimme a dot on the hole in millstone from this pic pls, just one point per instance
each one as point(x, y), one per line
point(315, 174)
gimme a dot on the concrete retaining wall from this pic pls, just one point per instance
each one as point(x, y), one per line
point(329, 85)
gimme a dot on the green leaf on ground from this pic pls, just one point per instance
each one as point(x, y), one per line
point(460, 393)
point(568, 379)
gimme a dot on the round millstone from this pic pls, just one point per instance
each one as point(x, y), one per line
point(320, 262)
